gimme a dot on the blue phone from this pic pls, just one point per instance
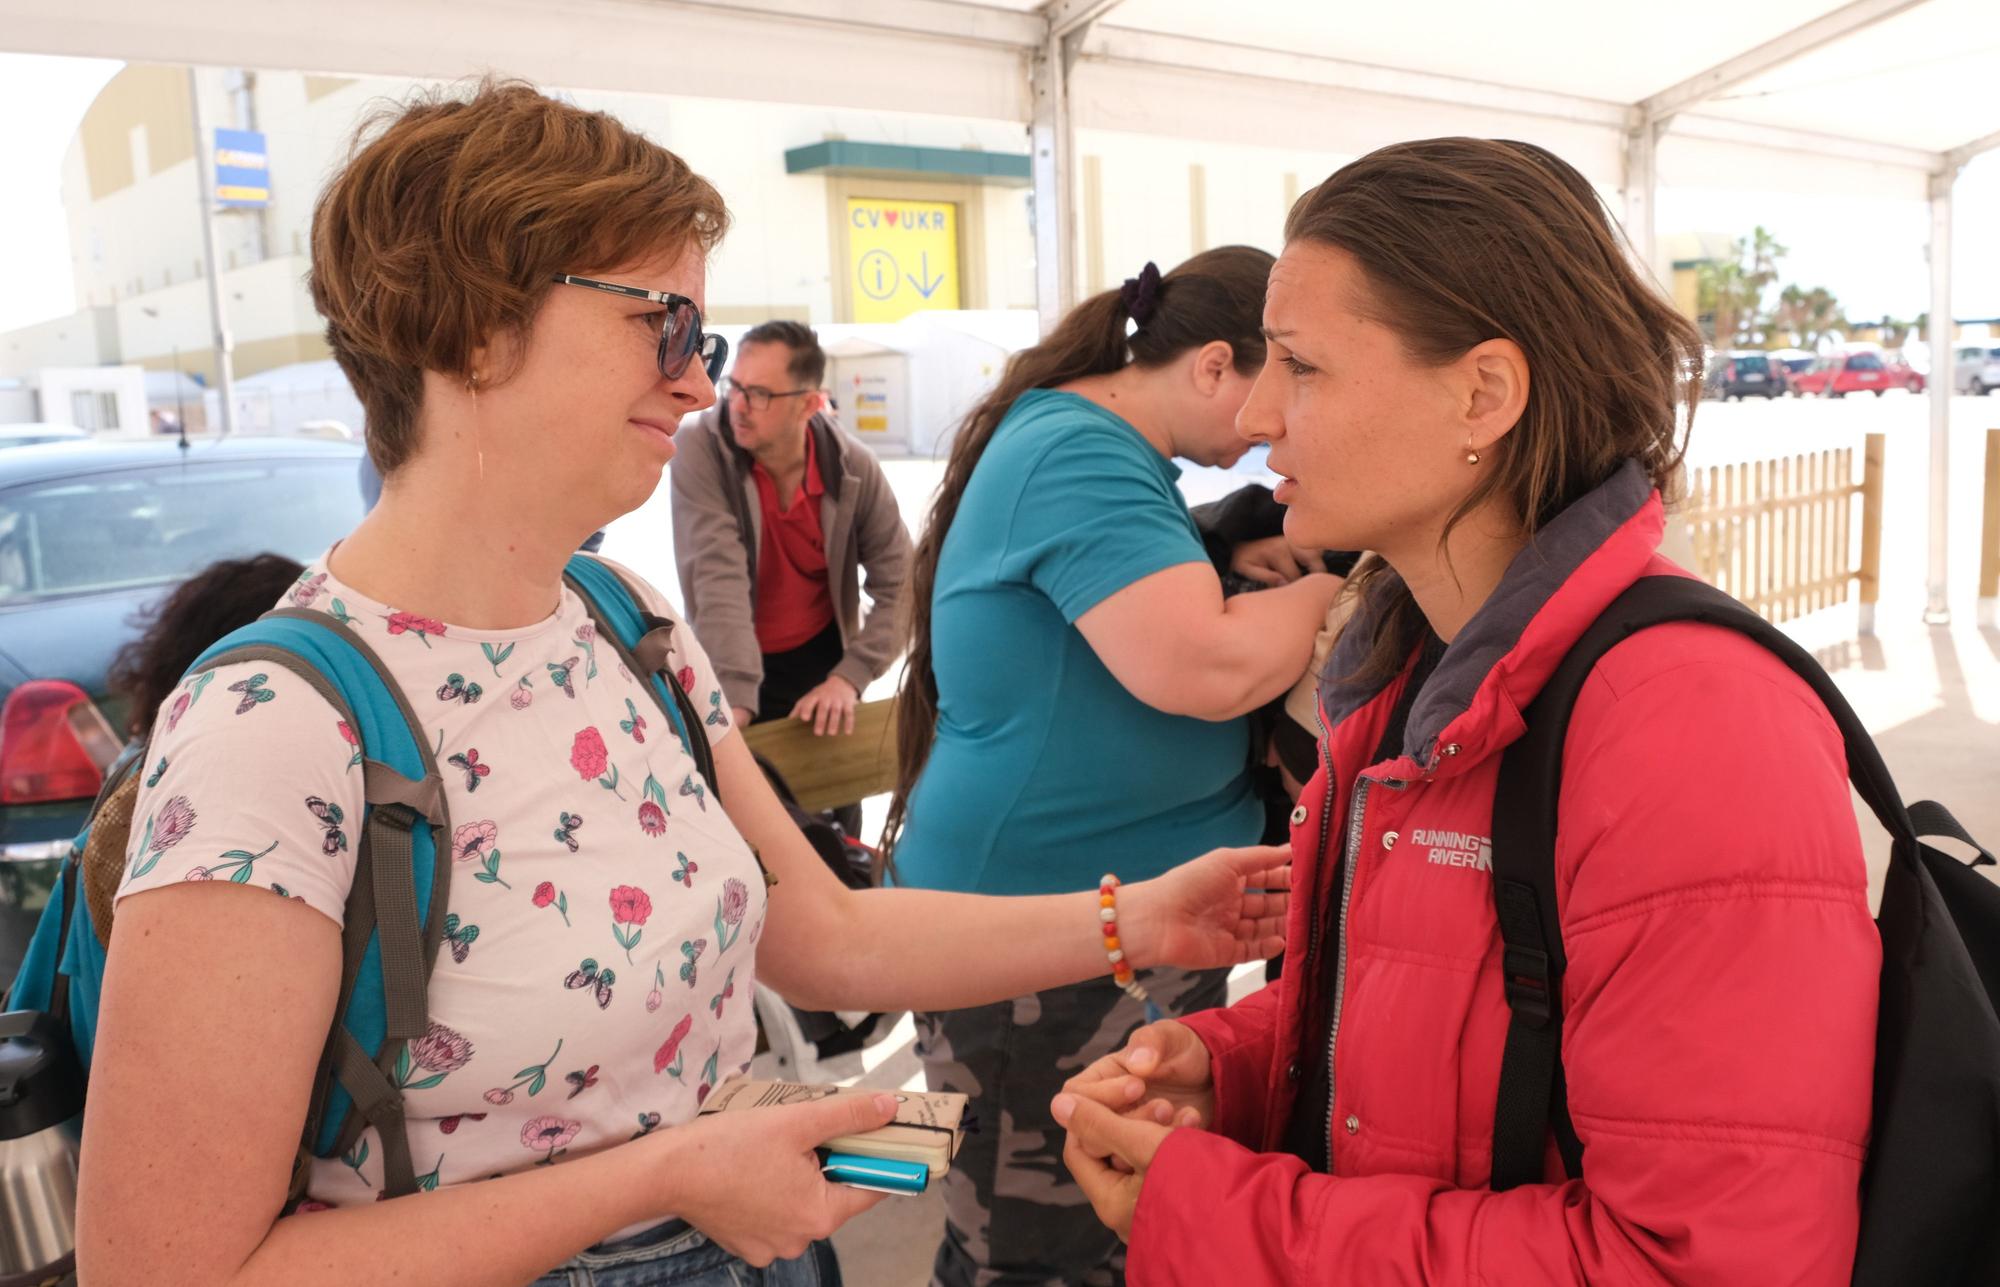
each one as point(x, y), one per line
point(882, 1175)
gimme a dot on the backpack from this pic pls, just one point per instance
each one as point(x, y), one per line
point(1931, 1182)
point(395, 919)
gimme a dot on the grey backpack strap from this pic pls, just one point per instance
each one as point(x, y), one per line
point(380, 1103)
point(648, 655)
point(381, 905)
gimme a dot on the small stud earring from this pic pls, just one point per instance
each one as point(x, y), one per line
point(1471, 457)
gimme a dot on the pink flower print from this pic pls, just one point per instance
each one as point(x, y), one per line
point(686, 676)
point(651, 820)
point(549, 1135)
point(410, 623)
point(708, 1078)
point(164, 830)
point(307, 590)
point(587, 754)
point(534, 1077)
point(199, 873)
point(590, 759)
point(653, 1000)
point(587, 631)
point(729, 911)
point(441, 1050)
point(735, 901)
point(473, 840)
point(669, 1052)
point(630, 908)
point(178, 709)
point(353, 739)
point(522, 697)
point(546, 894)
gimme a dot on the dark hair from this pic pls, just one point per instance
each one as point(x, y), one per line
point(808, 361)
point(180, 627)
point(453, 215)
point(1217, 295)
point(1464, 240)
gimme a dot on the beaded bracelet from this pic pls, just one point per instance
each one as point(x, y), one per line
point(1121, 969)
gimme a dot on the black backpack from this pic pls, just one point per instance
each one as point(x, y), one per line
point(1931, 1185)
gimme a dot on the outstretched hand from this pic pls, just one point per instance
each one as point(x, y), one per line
point(1224, 908)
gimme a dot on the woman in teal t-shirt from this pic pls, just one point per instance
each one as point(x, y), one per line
point(1074, 705)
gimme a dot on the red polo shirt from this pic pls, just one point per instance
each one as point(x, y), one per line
point(793, 601)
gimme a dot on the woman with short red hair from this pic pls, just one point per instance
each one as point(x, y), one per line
point(514, 286)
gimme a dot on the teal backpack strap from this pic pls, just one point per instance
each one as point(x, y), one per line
point(642, 641)
point(396, 906)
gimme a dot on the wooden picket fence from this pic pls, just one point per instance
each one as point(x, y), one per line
point(1778, 534)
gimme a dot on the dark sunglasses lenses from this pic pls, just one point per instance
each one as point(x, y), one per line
point(678, 339)
point(714, 354)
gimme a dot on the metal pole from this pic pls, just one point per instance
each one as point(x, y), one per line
point(1937, 605)
point(1053, 147)
point(1642, 181)
point(225, 375)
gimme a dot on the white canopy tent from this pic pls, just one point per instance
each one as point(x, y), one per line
point(1869, 97)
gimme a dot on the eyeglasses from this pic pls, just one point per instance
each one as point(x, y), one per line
point(681, 336)
point(756, 396)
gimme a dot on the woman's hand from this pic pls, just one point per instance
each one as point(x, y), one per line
point(1109, 1155)
point(1223, 908)
point(1271, 561)
point(752, 1183)
point(1162, 1074)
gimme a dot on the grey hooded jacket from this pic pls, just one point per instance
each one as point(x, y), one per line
point(718, 535)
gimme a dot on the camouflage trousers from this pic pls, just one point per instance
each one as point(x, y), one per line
point(1013, 1215)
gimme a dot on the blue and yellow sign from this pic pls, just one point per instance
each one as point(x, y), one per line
point(242, 168)
point(902, 257)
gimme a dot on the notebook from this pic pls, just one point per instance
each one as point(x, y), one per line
point(927, 1129)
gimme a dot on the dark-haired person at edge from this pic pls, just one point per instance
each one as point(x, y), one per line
point(1074, 706)
point(526, 395)
point(1468, 376)
point(778, 513)
point(179, 628)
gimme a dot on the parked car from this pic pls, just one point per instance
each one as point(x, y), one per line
point(1791, 363)
point(1744, 373)
point(32, 432)
point(1903, 375)
point(1857, 371)
point(1976, 368)
point(91, 533)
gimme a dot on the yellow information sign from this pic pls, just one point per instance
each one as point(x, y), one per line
point(902, 257)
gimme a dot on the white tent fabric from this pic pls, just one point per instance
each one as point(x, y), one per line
point(1874, 97)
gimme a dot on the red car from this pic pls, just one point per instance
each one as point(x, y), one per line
point(1862, 372)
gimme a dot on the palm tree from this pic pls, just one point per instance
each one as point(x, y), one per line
point(1725, 296)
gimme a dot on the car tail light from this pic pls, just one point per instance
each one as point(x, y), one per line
point(54, 744)
point(1731, 374)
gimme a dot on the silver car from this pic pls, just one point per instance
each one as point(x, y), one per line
point(1975, 368)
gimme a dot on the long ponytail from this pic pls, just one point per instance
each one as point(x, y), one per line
point(1217, 295)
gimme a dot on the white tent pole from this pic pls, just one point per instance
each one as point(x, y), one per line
point(1642, 185)
point(1937, 606)
point(1052, 148)
point(1052, 145)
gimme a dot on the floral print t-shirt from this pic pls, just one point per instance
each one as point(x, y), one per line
point(595, 981)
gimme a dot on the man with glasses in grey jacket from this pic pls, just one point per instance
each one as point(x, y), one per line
point(780, 517)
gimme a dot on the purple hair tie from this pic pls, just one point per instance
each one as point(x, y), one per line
point(1141, 296)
